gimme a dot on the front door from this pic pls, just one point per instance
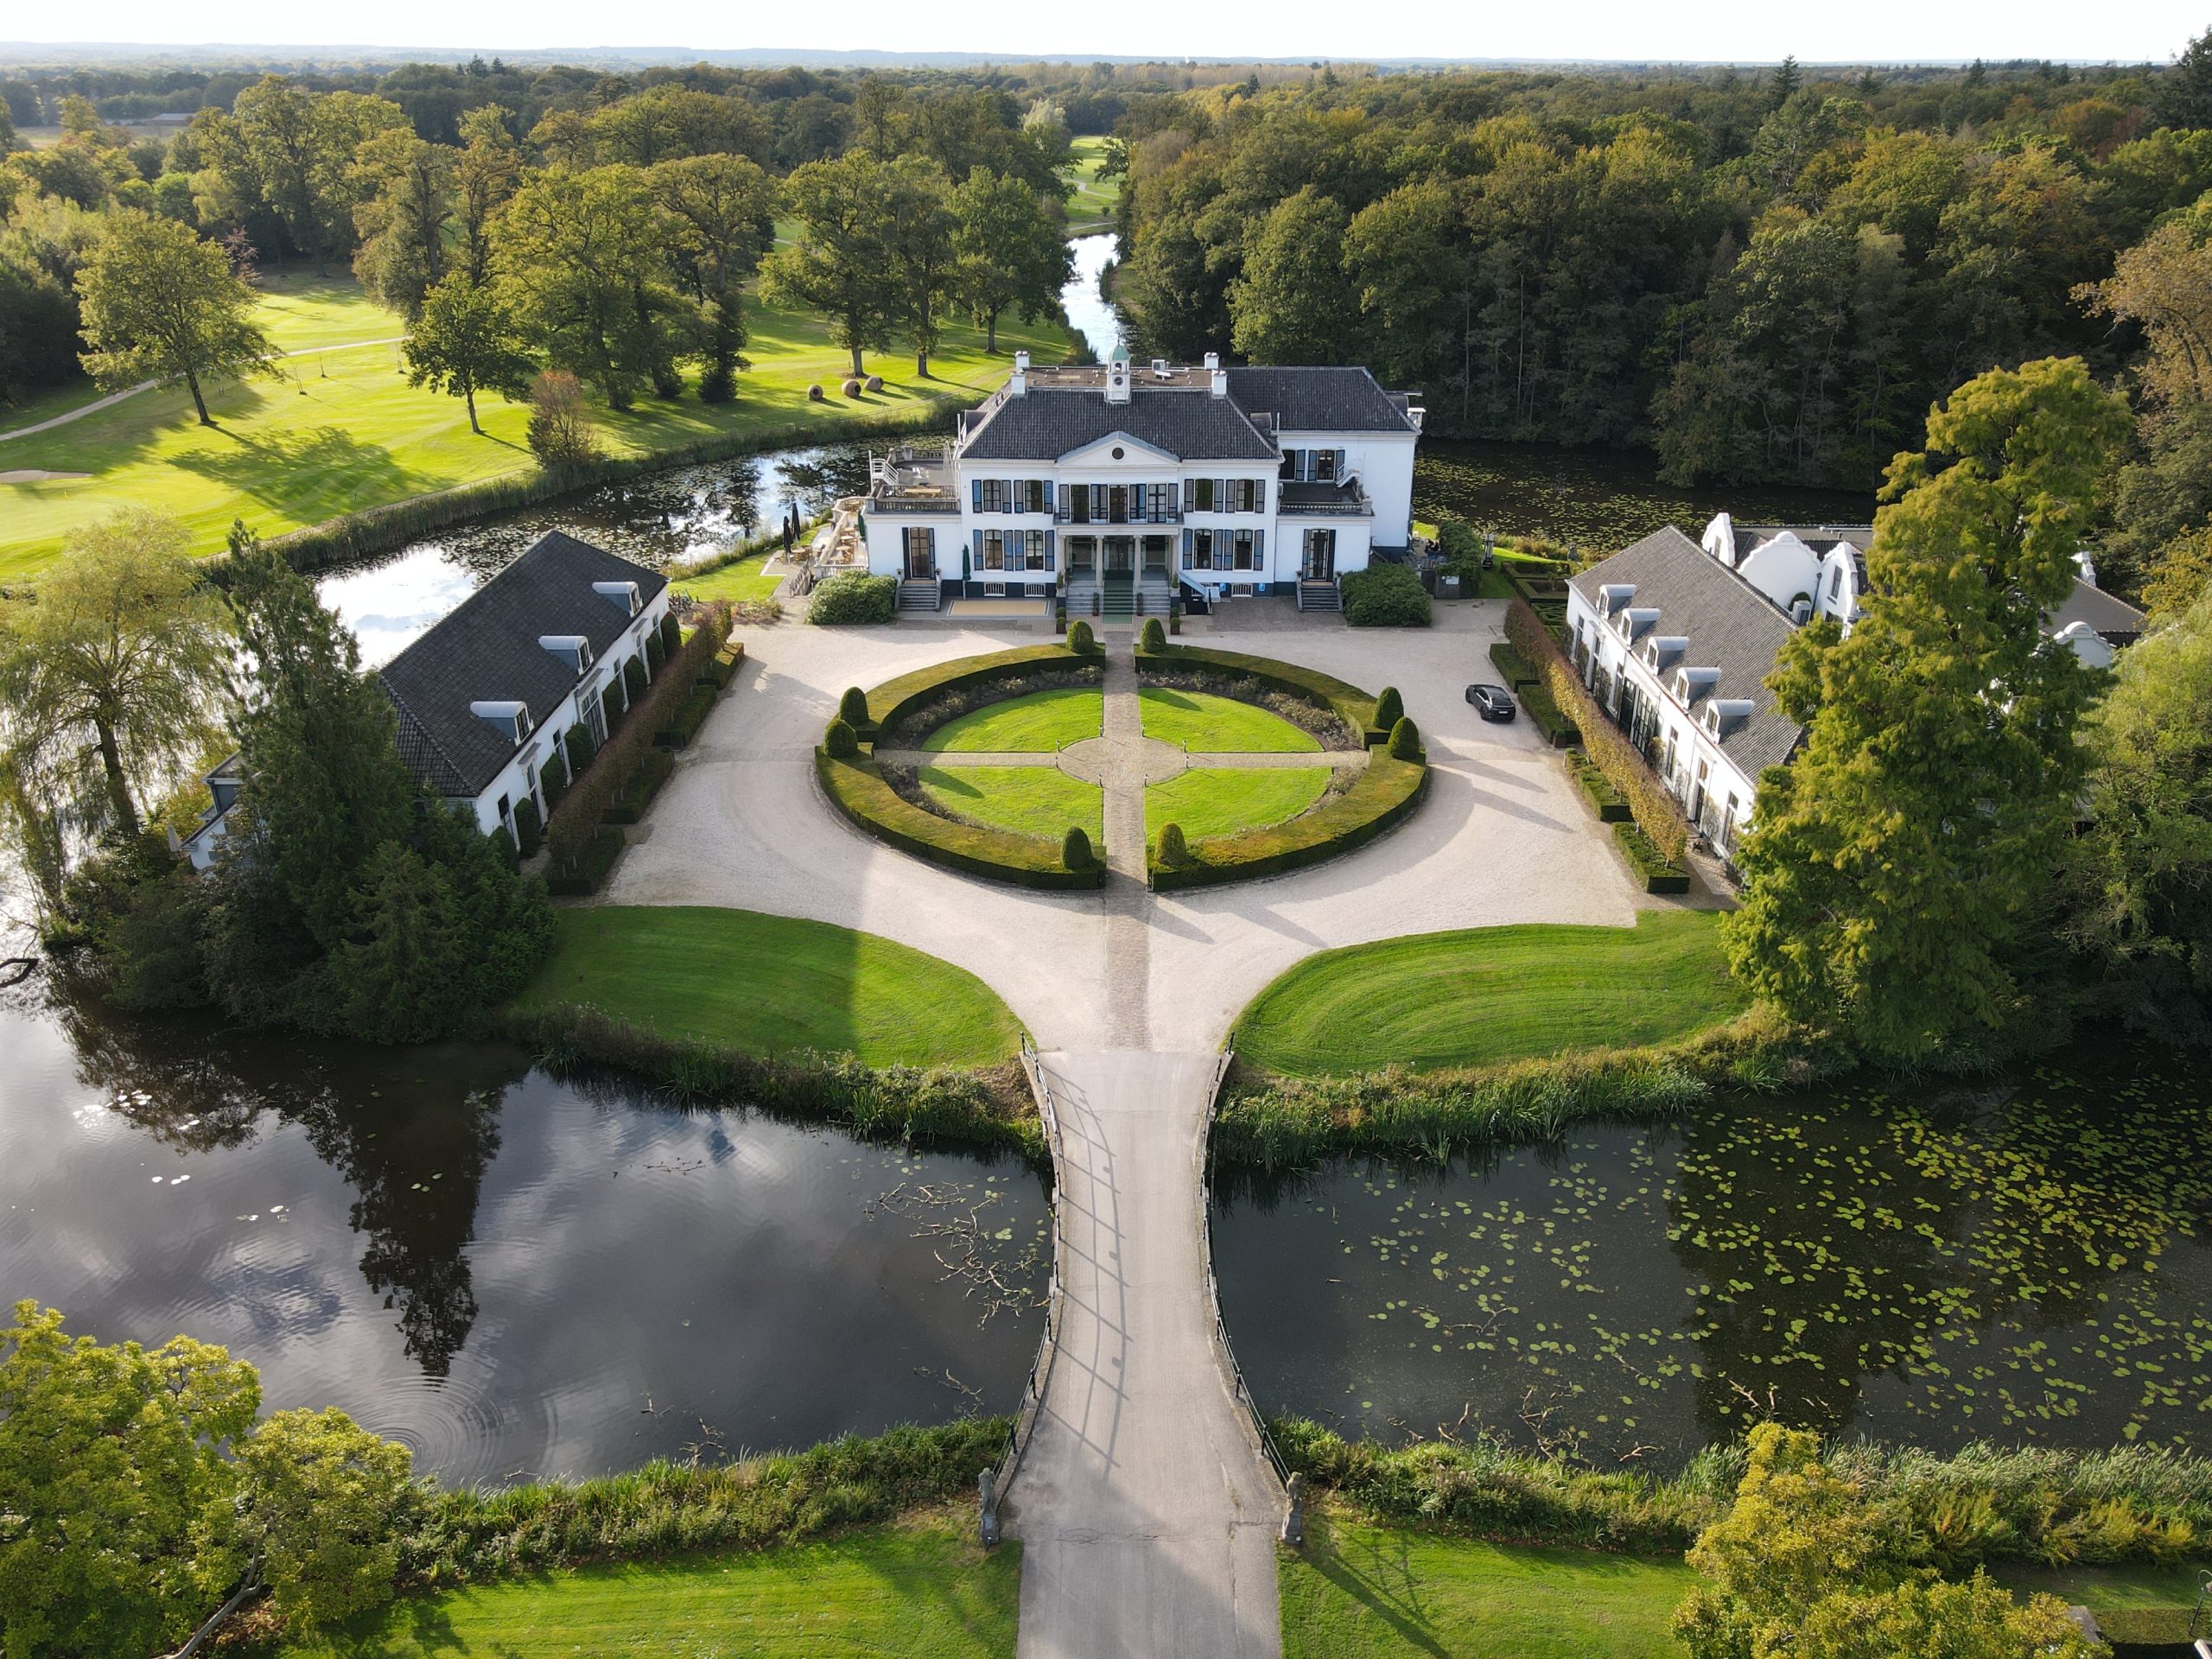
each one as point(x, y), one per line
point(1117, 504)
point(1121, 552)
point(1155, 555)
point(1319, 560)
point(1083, 552)
point(921, 553)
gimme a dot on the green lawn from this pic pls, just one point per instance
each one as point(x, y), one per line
point(1492, 994)
point(1210, 801)
point(341, 429)
point(1204, 723)
point(1359, 1592)
point(922, 1589)
point(1041, 721)
point(1091, 205)
point(1028, 800)
point(774, 985)
point(741, 581)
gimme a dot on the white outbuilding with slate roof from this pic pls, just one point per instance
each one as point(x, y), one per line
point(1143, 480)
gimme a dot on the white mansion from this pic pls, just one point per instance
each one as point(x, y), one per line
point(1130, 480)
point(1676, 639)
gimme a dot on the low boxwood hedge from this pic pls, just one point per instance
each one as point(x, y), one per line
point(858, 790)
point(1349, 703)
point(1598, 790)
point(893, 701)
point(1512, 667)
point(637, 791)
point(598, 858)
point(1384, 793)
point(690, 715)
point(721, 668)
point(1559, 731)
point(1647, 861)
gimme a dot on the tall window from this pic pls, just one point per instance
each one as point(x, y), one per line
point(994, 549)
point(1160, 501)
point(990, 495)
point(1204, 495)
point(1033, 491)
point(1201, 550)
point(1251, 495)
point(1324, 466)
point(1246, 546)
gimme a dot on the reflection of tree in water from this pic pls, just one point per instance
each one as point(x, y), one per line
point(412, 1130)
point(417, 1175)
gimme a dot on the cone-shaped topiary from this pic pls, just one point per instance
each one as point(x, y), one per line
point(1405, 741)
point(1152, 637)
point(1075, 849)
point(842, 740)
point(1172, 848)
point(1390, 708)
point(1079, 637)
point(852, 708)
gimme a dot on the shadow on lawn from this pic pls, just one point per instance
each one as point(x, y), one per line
point(1384, 1585)
point(294, 470)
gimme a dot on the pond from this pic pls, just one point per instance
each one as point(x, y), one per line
point(1599, 500)
point(2020, 1263)
point(659, 519)
point(1090, 314)
point(514, 1274)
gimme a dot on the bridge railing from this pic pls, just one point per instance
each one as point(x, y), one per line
point(995, 1480)
point(1213, 1294)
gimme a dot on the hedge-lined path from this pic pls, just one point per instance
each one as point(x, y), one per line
point(1135, 1506)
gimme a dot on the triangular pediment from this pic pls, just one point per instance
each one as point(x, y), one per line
point(1099, 451)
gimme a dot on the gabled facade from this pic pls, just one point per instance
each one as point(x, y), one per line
point(1221, 481)
point(486, 697)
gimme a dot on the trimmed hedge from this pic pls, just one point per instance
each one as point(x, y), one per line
point(1348, 702)
point(1080, 640)
point(720, 668)
point(592, 864)
point(1559, 731)
point(1610, 749)
point(1512, 667)
point(852, 598)
point(529, 828)
point(1386, 792)
point(1385, 596)
point(1659, 873)
point(1604, 798)
point(1152, 636)
point(690, 715)
point(654, 769)
point(895, 701)
point(858, 790)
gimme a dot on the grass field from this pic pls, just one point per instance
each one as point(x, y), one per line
point(1492, 994)
point(774, 985)
point(742, 580)
point(1028, 800)
point(1039, 721)
point(340, 429)
point(1359, 1592)
point(1091, 205)
point(1218, 801)
point(923, 1589)
point(1204, 723)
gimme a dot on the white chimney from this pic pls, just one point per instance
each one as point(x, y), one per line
point(1213, 359)
point(1220, 387)
point(1018, 385)
point(1416, 414)
point(1118, 381)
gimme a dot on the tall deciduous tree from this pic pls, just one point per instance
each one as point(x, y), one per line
point(408, 188)
point(721, 215)
point(1011, 254)
point(111, 672)
point(839, 262)
point(465, 341)
point(1892, 866)
point(1288, 305)
point(920, 233)
point(484, 175)
point(159, 304)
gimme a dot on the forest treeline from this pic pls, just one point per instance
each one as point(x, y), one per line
point(1763, 277)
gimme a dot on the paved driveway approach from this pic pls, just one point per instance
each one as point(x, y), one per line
point(1146, 1513)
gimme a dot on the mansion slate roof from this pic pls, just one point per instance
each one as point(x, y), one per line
point(486, 651)
point(2113, 619)
point(1065, 409)
point(1731, 626)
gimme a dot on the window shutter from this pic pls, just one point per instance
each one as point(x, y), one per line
point(979, 549)
point(1051, 550)
point(931, 533)
point(1259, 549)
point(1063, 501)
point(976, 493)
point(1187, 550)
point(1221, 495)
point(1006, 495)
point(1190, 493)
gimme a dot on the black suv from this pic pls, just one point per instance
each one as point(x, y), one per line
point(1494, 701)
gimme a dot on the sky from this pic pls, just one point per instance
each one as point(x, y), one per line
point(1747, 31)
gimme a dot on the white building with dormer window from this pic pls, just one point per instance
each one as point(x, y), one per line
point(1131, 482)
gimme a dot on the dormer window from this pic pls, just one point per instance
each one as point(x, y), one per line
point(1614, 596)
point(621, 594)
point(1691, 683)
point(571, 648)
point(510, 719)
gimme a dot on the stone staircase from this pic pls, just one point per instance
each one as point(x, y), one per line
point(1319, 596)
point(1119, 596)
point(921, 593)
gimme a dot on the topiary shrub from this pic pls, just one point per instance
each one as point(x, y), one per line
point(581, 750)
point(1405, 741)
point(633, 679)
point(655, 655)
point(853, 598)
point(852, 708)
point(1081, 639)
point(1389, 709)
point(842, 740)
point(1172, 850)
point(554, 777)
point(611, 704)
point(1152, 636)
point(1075, 850)
point(1385, 596)
point(672, 635)
point(528, 830)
